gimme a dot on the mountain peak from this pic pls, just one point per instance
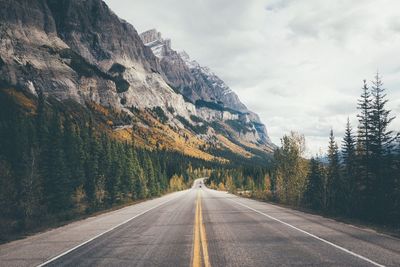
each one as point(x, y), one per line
point(153, 39)
point(196, 82)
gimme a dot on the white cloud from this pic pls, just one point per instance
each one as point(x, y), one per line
point(299, 64)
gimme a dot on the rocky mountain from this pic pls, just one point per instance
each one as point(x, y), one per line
point(188, 76)
point(198, 83)
point(81, 50)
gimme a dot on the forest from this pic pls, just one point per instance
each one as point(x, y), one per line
point(60, 162)
point(57, 163)
point(360, 179)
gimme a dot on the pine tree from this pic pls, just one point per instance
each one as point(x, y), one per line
point(316, 187)
point(56, 181)
point(41, 119)
point(92, 164)
point(364, 127)
point(150, 175)
point(74, 154)
point(140, 185)
point(8, 194)
point(349, 169)
point(363, 149)
point(334, 190)
point(381, 138)
point(128, 171)
point(113, 181)
point(381, 148)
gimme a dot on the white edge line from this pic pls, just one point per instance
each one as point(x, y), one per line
point(103, 233)
point(312, 235)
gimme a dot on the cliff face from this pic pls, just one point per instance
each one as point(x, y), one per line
point(197, 82)
point(188, 76)
point(80, 50)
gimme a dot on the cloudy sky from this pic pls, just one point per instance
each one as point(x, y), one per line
point(298, 64)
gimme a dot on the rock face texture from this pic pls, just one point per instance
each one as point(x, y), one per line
point(188, 76)
point(196, 82)
point(80, 50)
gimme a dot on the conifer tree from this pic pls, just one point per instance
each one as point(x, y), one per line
point(140, 185)
point(316, 187)
point(381, 148)
point(334, 190)
point(381, 138)
point(349, 169)
point(113, 181)
point(363, 149)
point(92, 161)
point(150, 175)
point(364, 127)
point(128, 170)
point(74, 154)
point(56, 181)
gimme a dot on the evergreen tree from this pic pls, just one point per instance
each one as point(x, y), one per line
point(150, 175)
point(113, 181)
point(363, 149)
point(381, 148)
point(8, 194)
point(381, 138)
point(364, 127)
point(91, 164)
point(140, 185)
point(334, 187)
point(128, 171)
point(74, 154)
point(316, 187)
point(56, 186)
point(349, 169)
point(41, 119)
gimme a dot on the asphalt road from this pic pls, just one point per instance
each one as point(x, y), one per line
point(203, 227)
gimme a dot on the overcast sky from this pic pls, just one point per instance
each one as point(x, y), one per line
point(298, 64)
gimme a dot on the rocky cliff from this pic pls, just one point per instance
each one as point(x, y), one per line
point(199, 83)
point(80, 50)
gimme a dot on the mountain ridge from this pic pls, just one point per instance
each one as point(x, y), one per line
point(81, 50)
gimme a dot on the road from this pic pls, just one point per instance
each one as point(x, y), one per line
point(203, 227)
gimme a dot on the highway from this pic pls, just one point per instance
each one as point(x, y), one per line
point(204, 227)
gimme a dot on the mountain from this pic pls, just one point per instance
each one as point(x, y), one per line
point(198, 83)
point(80, 50)
point(191, 79)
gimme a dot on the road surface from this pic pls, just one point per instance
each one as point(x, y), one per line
point(203, 227)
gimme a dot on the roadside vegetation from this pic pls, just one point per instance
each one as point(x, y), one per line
point(57, 163)
point(359, 180)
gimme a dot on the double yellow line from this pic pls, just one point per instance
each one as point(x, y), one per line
point(200, 239)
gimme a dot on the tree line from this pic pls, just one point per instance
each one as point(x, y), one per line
point(55, 165)
point(361, 179)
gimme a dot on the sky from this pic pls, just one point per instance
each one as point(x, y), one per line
point(299, 64)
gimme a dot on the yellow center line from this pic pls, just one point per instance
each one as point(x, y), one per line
point(196, 246)
point(203, 238)
point(200, 247)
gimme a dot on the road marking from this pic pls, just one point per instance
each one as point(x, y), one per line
point(196, 262)
point(312, 235)
point(103, 233)
point(200, 238)
point(203, 238)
